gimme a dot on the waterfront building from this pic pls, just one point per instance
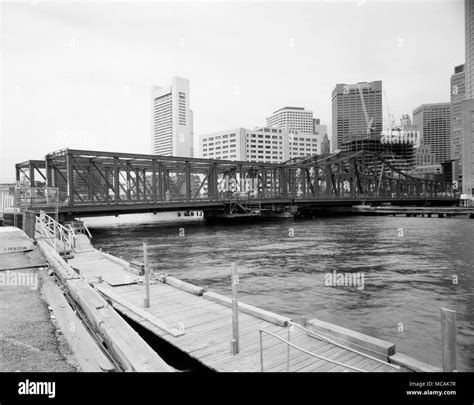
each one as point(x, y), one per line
point(457, 97)
point(321, 131)
point(356, 112)
point(292, 119)
point(325, 145)
point(172, 119)
point(398, 155)
point(302, 144)
point(434, 123)
point(467, 106)
point(432, 171)
point(266, 144)
point(424, 156)
point(225, 145)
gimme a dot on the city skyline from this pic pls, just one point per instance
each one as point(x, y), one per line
point(83, 59)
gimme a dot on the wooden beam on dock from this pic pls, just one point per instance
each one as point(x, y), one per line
point(367, 344)
point(248, 309)
point(128, 348)
point(62, 270)
point(86, 351)
point(115, 299)
point(182, 285)
point(412, 364)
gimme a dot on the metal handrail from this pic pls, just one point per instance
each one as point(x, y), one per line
point(87, 230)
point(82, 228)
point(53, 228)
point(343, 346)
point(51, 235)
point(73, 235)
point(261, 331)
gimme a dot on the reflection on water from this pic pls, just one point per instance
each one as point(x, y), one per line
point(407, 279)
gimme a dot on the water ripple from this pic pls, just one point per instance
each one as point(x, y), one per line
point(406, 279)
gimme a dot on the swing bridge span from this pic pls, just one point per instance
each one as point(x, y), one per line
point(92, 183)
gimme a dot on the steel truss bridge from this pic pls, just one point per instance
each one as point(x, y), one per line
point(105, 183)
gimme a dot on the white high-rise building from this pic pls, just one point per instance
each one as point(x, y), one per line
point(172, 120)
point(266, 145)
point(293, 119)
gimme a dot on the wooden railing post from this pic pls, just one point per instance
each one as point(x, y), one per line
point(234, 343)
point(288, 349)
point(146, 301)
point(448, 339)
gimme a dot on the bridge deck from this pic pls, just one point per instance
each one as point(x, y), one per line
point(207, 326)
point(87, 210)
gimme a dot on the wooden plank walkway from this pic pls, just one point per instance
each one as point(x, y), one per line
point(90, 261)
point(207, 326)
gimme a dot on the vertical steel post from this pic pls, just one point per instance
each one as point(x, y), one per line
point(188, 181)
point(129, 183)
point(17, 172)
point(161, 191)
point(153, 181)
point(106, 177)
point(31, 174)
point(116, 180)
point(329, 184)
point(90, 177)
point(137, 182)
point(70, 178)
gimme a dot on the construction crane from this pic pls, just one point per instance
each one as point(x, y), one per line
point(367, 120)
point(391, 117)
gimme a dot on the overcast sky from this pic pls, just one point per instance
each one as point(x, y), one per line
point(79, 74)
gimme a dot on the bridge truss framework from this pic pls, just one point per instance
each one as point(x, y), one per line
point(88, 179)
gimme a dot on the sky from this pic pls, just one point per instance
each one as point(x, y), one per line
point(79, 74)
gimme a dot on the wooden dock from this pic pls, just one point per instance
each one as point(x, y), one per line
point(199, 323)
point(427, 212)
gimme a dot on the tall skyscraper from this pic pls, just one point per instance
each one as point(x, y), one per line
point(172, 119)
point(469, 47)
point(356, 112)
point(457, 97)
point(434, 123)
point(467, 106)
point(293, 119)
